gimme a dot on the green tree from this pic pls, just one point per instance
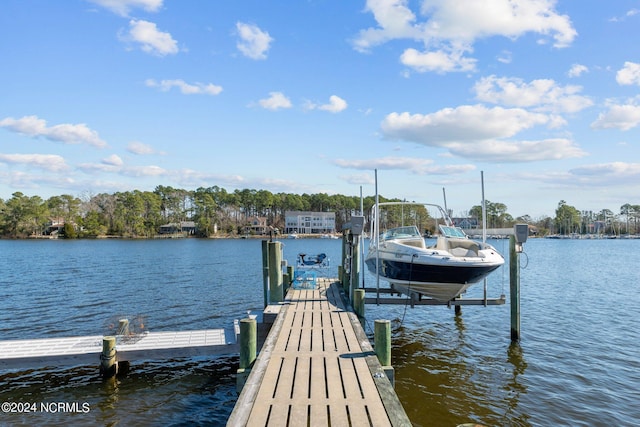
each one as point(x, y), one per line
point(93, 225)
point(69, 231)
point(205, 210)
point(23, 215)
point(497, 215)
point(567, 218)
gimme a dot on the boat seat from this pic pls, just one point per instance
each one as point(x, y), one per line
point(442, 244)
point(462, 252)
point(418, 243)
point(463, 247)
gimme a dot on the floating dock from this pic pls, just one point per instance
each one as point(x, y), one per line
point(86, 350)
point(317, 367)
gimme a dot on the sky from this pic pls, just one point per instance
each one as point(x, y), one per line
point(539, 97)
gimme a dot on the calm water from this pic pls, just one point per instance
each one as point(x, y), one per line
point(578, 362)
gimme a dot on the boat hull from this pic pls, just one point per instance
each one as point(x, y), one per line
point(442, 280)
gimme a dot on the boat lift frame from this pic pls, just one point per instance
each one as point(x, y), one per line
point(349, 271)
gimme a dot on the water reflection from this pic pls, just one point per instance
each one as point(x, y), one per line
point(445, 378)
point(514, 389)
point(195, 391)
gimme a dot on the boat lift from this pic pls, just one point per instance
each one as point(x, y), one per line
point(350, 269)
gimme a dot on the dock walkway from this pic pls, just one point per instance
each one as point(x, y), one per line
point(37, 353)
point(317, 367)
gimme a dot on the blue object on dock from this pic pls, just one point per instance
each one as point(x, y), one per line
point(305, 279)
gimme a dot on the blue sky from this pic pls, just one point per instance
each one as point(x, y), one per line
point(312, 96)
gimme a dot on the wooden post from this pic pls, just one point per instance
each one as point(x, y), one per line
point(108, 364)
point(382, 341)
point(355, 264)
point(345, 279)
point(276, 293)
point(248, 342)
point(346, 262)
point(285, 283)
point(248, 345)
point(514, 288)
point(290, 276)
point(358, 302)
point(123, 327)
point(265, 270)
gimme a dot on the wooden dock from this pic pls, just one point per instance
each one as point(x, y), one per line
point(317, 367)
point(86, 350)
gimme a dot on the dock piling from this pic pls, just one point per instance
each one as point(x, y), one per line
point(276, 293)
point(358, 302)
point(108, 363)
point(514, 288)
point(248, 350)
point(123, 327)
point(265, 271)
point(382, 343)
point(248, 342)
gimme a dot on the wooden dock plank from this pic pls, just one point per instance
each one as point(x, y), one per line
point(319, 370)
point(84, 350)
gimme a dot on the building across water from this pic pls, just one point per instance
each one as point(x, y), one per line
point(306, 222)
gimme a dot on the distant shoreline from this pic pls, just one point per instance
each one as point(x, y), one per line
point(170, 237)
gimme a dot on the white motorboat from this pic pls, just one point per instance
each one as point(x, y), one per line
point(442, 271)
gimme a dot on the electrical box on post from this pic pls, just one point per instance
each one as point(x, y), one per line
point(357, 225)
point(521, 232)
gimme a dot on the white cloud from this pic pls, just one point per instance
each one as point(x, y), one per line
point(136, 147)
point(417, 166)
point(478, 132)
point(629, 74)
point(113, 160)
point(505, 57)
point(451, 28)
point(335, 105)
point(114, 164)
point(439, 61)
point(358, 179)
point(630, 13)
point(276, 101)
point(618, 169)
point(185, 88)
point(48, 162)
point(151, 39)
point(395, 20)
point(65, 133)
point(577, 70)
point(254, 43)
point(150, 170)
point(542, 94)
point(466, 123)
point(623, 117)
point(501, 151)
point(123, 7)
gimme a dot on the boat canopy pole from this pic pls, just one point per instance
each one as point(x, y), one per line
point(484, 228)
point(375, 235)
point(444, 194)
point(362, 242)
point(484, 210)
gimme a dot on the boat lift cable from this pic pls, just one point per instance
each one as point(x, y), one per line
point(408, 289)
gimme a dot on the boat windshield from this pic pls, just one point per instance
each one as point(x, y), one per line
point(452, 231)
point(401, 233)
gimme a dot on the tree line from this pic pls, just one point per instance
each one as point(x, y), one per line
point(214, 209)
point(141, 213)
